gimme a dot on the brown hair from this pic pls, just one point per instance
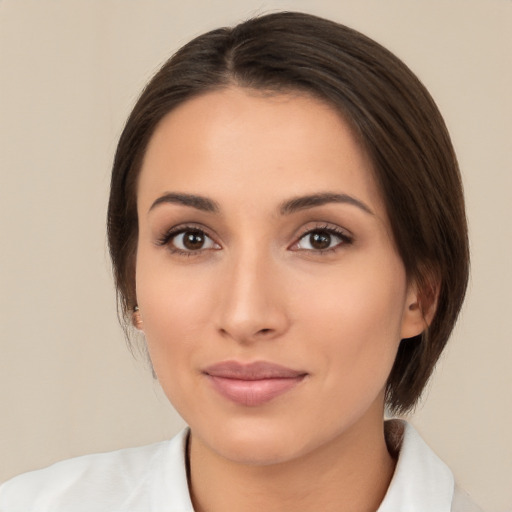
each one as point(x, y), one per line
point(395, 119)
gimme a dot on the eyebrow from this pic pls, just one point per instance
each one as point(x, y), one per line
point(287, 208)
point(311, 201)
point(198, 202)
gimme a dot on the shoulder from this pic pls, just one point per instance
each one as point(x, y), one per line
point(462, 502)
point(100, 482)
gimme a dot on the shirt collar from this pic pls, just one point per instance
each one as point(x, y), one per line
point(165, 485)
point(422, 481)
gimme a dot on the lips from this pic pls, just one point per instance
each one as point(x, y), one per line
point(252, 384)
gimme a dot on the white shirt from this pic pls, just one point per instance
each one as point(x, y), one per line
point(153, 479)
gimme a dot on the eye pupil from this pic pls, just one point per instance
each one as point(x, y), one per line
point(320, 240)
point(193, 240)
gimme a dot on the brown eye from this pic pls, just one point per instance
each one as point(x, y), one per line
point(320, 240)
point(192, 240)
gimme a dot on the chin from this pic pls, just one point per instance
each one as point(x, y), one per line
point(260, 452)
point(253, 443)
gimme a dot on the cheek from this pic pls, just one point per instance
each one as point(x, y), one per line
point(356, 320)
point(175, 310)
point(175, 305)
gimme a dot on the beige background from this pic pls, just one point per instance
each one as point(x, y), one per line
point(69, 73)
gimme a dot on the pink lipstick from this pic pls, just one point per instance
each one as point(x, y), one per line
point(252, 384)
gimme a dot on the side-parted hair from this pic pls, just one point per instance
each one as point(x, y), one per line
point(391, 113)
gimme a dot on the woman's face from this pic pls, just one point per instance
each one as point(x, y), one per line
point(271, 293)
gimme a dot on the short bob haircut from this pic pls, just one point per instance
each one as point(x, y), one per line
point(395, 120)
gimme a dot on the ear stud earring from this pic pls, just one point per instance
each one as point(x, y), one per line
point(136, 318)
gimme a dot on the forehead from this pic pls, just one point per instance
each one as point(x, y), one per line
point(262, 147)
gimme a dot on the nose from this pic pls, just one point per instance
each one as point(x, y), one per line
point(252, 300)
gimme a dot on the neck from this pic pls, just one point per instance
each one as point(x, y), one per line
point(351, 472)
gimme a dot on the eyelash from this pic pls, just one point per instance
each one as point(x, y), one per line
point(345, 238)
point(168, 236)
point(174, 232)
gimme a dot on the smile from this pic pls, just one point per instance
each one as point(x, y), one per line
point(252, 384)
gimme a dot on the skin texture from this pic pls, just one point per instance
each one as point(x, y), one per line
point(259, 290)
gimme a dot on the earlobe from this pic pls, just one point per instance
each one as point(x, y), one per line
point(419, 310)
point(136, 318)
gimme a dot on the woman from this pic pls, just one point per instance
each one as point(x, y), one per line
point(287, 228)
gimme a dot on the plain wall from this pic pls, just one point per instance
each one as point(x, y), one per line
point(69, 72)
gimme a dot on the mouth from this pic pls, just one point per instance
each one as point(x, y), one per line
point(252, 384)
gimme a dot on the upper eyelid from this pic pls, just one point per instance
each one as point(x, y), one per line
point(327, 226)
point(192, 226)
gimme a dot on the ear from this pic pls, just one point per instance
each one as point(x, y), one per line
point(419, 307)
point(137, 319)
